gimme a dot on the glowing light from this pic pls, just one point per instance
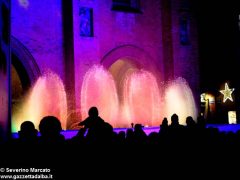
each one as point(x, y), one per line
point(203, 97)
point(46, 98)
point(207, 97)
point(232, 117)
point(141, 96)
point(210, 98)
point(132, 96)
point(99, 90)
point(227, 93)
point(141, 99)
point(179, 99)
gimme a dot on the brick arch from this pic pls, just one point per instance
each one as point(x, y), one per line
point(24, 60)
point(135, 55)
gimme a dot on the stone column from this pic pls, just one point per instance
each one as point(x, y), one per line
point(167, 39)
point(67, 15)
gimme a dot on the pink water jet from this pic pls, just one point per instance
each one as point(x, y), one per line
point(140, 103)
point(142, 98)
point(179, 99)
point(46, 98)
point(98, 89)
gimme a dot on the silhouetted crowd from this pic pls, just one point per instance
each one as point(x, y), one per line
point(97, 147)
point(95, 131)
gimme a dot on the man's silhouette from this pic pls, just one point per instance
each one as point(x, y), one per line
point(93, 120)
point(98, 129)
point(27, 133)
point(50, 129)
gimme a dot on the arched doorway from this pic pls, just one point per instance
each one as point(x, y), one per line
point(136, 75)
point(134, 55)
point(123, 60)
point(24, 72)
point(120, 69)
point(24, 59)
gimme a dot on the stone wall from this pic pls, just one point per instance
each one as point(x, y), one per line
point(37, 24)
point(116, 29)
point(150, 38)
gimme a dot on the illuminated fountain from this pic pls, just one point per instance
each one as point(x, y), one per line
point(142, 98)
point(99, 90)
point(134, 96)
point(179, 99)
point(46, 98)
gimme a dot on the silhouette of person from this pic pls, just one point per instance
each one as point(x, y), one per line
point(27, 133)
point(174, 120)
point(190, 122)
point(164, 123)
point(50, 129)
point(176, 130)
point(164, 126)
point(98, 129)
point(140, 136)
point(129, 136)
point(93, 120)
point(132, 125)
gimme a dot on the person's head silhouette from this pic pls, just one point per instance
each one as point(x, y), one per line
point(92, 118)
point(27, 131)
point(189, 121)
point(174, 119)
point(50, 126)
point(93, 112)
point(165, 122)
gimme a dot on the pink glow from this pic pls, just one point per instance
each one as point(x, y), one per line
point(179, 99)
point(142, 98)
point(46, 98)
point(142, 101)
point(99, 90)
point(138, 99)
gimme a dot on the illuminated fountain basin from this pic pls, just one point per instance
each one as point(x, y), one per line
point(46, 98)
point(179, 99)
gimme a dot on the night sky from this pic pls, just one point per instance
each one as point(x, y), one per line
point(219, 42)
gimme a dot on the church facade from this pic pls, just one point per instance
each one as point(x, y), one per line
point(69, 37)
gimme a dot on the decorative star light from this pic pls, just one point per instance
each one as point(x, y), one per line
point(227, 93)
